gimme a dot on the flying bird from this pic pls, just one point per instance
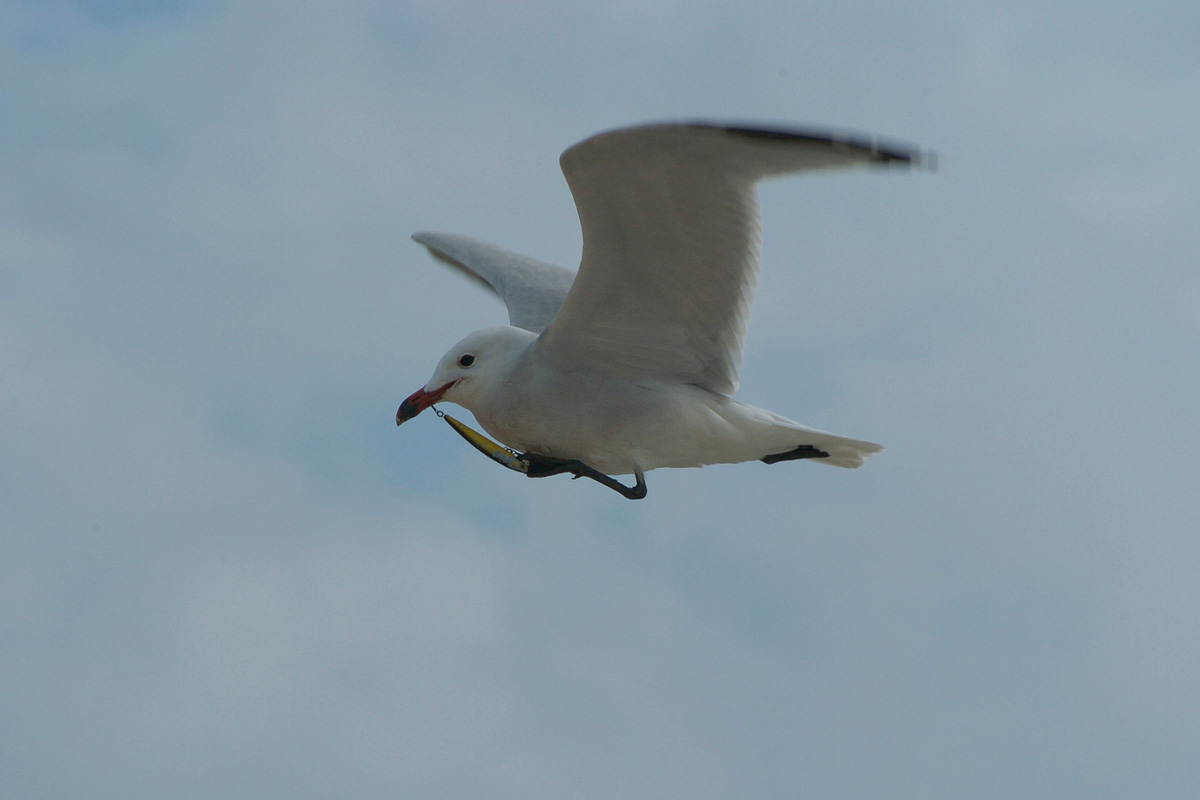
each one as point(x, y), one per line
point(630, 364)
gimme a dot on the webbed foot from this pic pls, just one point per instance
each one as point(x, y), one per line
point(803, 451)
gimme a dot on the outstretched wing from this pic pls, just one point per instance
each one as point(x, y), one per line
point(532, 290)
point(671, 242)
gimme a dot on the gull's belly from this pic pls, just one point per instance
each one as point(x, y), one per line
point(616, 432)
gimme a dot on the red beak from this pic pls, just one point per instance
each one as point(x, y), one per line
point(418, 401)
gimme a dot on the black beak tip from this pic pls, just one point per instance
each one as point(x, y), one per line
point(406, 412)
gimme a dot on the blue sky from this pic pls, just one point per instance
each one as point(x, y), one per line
point(224, 571)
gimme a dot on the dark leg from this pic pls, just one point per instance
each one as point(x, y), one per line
point(545, 466)
point(635, 492)
point(803, 451)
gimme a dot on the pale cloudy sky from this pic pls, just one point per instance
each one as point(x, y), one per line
point(225, 573)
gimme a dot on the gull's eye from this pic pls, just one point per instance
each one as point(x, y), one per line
point(466, 360)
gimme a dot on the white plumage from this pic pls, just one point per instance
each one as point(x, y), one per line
point(629, 365)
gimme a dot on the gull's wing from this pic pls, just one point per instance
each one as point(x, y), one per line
point(532, 290)
point(670, 243)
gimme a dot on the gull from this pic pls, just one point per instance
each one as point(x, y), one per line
point(630, 364)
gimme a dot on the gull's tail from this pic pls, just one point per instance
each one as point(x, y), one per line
point(781, 439)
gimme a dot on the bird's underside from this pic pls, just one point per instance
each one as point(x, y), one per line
point(535, 465)
point(544, 466)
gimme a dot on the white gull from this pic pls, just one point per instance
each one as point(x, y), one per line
point(628, 365)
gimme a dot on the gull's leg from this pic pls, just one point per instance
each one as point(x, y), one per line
point(639, 489)
point(635, 492)
point(803, 451)
point(545, 466)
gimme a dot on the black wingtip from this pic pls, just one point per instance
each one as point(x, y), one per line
point(879, 151)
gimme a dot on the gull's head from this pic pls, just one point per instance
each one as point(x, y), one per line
point(471, 368)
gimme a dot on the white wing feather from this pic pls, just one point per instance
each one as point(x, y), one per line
point(531, 290)
point(671, 242)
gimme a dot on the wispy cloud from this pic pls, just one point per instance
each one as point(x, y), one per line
point(223, 570)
